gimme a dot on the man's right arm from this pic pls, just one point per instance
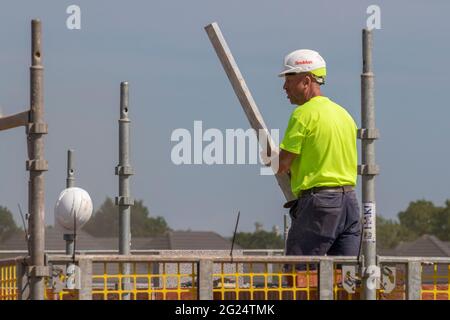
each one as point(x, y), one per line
point(285, 160)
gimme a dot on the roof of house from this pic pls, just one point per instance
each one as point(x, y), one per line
point(198, 240)
point(176, 240)
point(424, 246)
point(54, 241)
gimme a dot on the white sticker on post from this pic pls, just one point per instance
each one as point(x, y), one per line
point(373, 273)
point(369, 222)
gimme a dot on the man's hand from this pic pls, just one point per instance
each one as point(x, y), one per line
point(279, 160)
point(268, 159)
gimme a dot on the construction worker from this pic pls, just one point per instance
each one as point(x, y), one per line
point(319, 152)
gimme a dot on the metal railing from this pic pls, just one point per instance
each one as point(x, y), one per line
point(183, 275)
point(424, 278)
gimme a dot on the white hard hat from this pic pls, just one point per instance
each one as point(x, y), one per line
point(304, 60)
point(73, 203)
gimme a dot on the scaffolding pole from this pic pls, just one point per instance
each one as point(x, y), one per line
point(36, 165)
point(124, 171)
point(368, 170)
point(70, 183)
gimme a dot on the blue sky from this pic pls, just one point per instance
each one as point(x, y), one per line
point(175, 78)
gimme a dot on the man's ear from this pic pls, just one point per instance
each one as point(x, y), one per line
point(306, 80)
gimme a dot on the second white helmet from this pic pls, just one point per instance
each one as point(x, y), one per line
point(73, 208)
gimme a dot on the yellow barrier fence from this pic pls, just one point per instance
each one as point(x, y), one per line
point(435, 281)
point(265, 281)
point(8, 279)
point(180, 277)
point(146, 281)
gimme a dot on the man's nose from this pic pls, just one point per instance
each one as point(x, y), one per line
point(284, 86)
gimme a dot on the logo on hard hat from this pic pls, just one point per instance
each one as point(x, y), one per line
point(303, 62)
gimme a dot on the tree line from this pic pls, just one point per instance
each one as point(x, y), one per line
point(103, 223)
point(420, 217)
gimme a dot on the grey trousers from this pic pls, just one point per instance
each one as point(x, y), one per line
point(325, 223)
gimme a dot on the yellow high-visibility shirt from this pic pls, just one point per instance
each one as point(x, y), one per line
point(323, 134)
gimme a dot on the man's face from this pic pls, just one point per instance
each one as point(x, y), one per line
point(296, 86)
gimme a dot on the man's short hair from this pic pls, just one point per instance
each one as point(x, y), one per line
point(319, 80)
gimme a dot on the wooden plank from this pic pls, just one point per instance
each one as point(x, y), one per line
point(17, 120)
point(245, 98)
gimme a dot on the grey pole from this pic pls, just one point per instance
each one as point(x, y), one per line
point(37, 165)
point(70, 182)
point(285, 229)
point(368, 170)
point(124, 171)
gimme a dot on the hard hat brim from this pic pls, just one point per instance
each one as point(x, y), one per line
point(319, 72)
point(282, 74)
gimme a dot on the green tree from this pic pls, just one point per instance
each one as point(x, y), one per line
point(105, 221)
point(260, 239)
point(441, 223)
point(418, 219)
point(143, 225)
point(7, 224)
point(389, 233)
point(421, 217)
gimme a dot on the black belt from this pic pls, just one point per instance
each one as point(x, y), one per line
point(340, 189)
